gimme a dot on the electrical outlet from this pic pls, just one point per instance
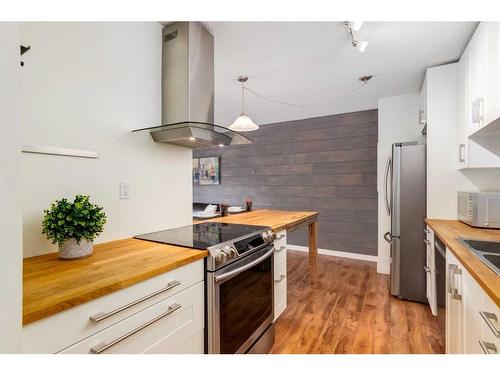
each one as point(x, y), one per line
point(125, 190)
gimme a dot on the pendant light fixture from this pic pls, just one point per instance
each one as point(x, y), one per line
point(243, 123)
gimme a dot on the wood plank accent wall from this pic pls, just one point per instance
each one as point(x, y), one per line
point(326, 164)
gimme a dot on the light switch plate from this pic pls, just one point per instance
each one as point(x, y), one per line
point(125, 190)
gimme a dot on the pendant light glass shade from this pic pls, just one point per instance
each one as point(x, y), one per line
point(243, 123)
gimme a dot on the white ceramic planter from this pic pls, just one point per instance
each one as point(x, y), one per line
point(70, 249)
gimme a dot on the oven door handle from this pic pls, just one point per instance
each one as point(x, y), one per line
point(221, 278)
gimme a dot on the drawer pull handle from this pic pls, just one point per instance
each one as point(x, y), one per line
point(280, 237)
point(453, 290)
point(99, 348)
point(427, 269)
point(281, 278)
point(280, 249)
point(101, 316)
point(488, 347)
point(427, 242)
point(488, 317)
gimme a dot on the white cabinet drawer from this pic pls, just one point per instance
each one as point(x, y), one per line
point(279, 256)
point(161, 328)
point(280, 290)
point(490, 319)
point(279, 269)
point(63, 329)
point(280, 239)
point(280, 250)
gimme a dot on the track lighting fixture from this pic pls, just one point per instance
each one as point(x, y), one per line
point(356, 25)
point(360, 45)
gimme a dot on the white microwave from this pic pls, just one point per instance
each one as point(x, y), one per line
point(479, 209)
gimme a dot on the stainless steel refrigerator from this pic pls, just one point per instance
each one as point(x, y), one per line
point(405, 201)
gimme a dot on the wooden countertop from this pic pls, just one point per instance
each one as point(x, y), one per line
point(448, 230)
point(51, 285)
point(275, 219)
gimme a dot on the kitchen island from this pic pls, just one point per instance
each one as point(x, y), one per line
point(280, 220)
point(52, 285)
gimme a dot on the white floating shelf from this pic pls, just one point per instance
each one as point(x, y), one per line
point(47, 150)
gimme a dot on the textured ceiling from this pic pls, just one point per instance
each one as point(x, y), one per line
point(314, 62)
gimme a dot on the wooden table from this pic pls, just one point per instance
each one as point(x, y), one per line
point(279, 220)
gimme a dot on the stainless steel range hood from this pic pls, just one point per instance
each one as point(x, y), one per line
point(188, 90)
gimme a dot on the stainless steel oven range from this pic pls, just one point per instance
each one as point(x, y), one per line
point(239, 283)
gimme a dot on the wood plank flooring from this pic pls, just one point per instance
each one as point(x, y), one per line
point(349, 310)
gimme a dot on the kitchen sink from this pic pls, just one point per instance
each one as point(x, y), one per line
point(487, 251)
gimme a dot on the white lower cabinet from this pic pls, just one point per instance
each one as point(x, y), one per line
point(454, 305)
point(472, 318)
point(164, 314)
point(280, 279)
point(164, 327)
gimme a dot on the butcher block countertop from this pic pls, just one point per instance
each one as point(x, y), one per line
point(51, 285)
point(448, 230)
point(275, 219)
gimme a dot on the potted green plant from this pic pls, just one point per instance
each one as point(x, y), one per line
point(73, 226)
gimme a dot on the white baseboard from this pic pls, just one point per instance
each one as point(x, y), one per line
point(342, 254)
point(383, 268)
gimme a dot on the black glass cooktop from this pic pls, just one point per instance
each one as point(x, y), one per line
point(201, 236)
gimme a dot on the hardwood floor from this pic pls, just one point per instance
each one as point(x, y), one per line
point(349, 309)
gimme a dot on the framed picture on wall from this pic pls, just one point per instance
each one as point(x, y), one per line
point(206, 171)
point(196, 171)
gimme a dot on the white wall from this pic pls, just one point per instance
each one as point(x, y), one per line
point(10, 211)
point(86, 86)
point(444, 179)
point(397, 122)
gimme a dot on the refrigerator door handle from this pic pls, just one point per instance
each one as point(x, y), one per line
point(388, 237)
point(388, 167)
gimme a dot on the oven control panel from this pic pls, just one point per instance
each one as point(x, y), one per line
point(225, 253)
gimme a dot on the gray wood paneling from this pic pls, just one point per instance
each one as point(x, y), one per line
point(327, 164)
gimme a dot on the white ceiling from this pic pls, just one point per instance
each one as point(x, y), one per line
point(314, 62)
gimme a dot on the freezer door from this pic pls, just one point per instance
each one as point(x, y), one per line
point(395, 266)
point(411, 212)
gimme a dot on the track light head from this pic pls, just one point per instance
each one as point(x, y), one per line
point(356, 25)
point(360, 45)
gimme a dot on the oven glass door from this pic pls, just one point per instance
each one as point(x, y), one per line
point(245, 305)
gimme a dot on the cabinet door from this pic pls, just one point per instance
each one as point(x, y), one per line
point(422, 114)
point(454, 306)
point(477, 76)
point(492, 62)
point(464, 120)
point(473, 324)
point(430, 271)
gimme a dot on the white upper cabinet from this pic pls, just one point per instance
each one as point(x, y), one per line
point(464, 123)
point(477, 47)
point(492, 68)
point(479, 98)
point(422, 111)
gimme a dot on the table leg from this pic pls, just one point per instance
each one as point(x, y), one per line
point(313, 246)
